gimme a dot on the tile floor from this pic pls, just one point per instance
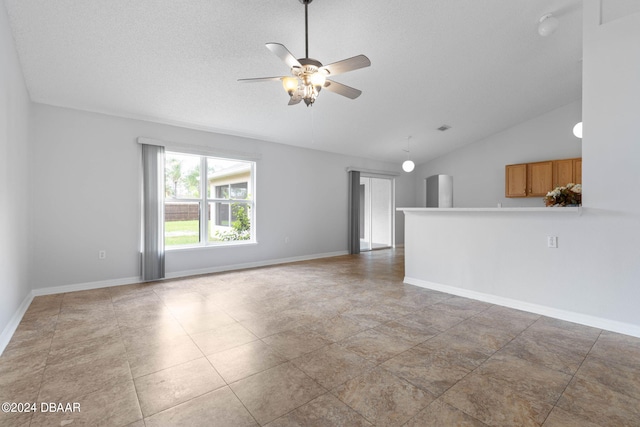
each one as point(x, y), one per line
point(332, 342)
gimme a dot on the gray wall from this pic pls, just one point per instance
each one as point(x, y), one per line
point(478, 168)
point(92, 161)
point(14, 180)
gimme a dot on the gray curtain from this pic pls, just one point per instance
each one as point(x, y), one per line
point(354, 212)
point(152, 212)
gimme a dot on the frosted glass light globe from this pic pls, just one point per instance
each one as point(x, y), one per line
point(577, 130)
point(408, 165)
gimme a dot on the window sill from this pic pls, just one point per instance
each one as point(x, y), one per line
point(219, 245)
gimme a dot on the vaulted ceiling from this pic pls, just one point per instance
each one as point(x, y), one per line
point(478, 66)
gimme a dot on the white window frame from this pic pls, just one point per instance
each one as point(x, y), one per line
point(204, 201)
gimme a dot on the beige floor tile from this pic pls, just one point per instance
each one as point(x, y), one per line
point(509, 319)
point(485, 338)
point(146, 315)
point(164, 389)
point(15, 419)
point(618, 348)
point(462, 307)
point(577, 338)
point(245, 360)
point(426, 370)
point(332, 365)
point(622, 378)
point(156, 358)
point(273, 323)
point(487, 363)
point(295, 342)
point(527, 379)
point(82, 375)
point(439, 414)
point(112, 405)
point(127, 292)
point(382, 398)
point(375, 346)
point(32, 335)
point(138, 339)
point(76, 352)
point(411, 330)
point(561, 418)
point(336, 328)
point(16, 367)
point(223, 338)
point(196, 321)
point(493, 402)
point(456, 350)
point(599, 404)
point(44, 306)
point(324, 411)
point(217, 408)
point(85, 329)
point(545, 352)
point(436, 318)
point(270, 394)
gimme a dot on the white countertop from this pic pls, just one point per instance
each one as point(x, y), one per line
point(570, 209)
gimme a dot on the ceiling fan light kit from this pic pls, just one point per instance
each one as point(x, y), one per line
point(309, 76)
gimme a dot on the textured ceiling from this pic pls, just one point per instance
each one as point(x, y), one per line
point(478, 66)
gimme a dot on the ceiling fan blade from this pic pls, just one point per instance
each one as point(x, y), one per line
point(345, 65)
point(341, 89)
point(260, 79)
point(295, 100)
point(284, 54)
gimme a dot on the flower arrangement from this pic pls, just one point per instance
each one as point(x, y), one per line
point(571, 194)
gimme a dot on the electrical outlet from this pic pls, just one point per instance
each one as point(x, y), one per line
point(102, 254)
point(286, 240)
point(552, 241)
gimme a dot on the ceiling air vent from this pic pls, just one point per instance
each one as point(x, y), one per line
point(444, 127)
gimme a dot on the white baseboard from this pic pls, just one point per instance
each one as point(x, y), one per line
point(11, 327)
point(570, 316)
point(85, 286)
point(243, 266)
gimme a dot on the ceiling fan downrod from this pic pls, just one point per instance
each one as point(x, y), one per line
point(306, 26)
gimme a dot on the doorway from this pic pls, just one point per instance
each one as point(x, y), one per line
point(376, 213)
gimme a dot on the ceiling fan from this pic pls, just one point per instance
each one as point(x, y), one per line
point(308, 75)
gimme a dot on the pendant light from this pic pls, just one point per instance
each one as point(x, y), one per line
point(408, 164)
point(577, 130)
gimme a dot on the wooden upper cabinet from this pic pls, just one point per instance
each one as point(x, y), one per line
point(577, 171)
point(516, 180)
point(539, 178)
point(562, 172)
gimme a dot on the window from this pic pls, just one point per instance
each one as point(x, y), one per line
point(208, 200)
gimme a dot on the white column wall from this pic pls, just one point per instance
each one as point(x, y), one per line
point(593, 276)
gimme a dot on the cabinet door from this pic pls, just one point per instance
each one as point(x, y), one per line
point(515, 181)
point(563, 172)
point(539, 178)
point(577, 171)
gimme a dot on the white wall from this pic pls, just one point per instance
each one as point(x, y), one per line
point(86, 178)
point(14, 179)
point(478, 168)
point(593, 276)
